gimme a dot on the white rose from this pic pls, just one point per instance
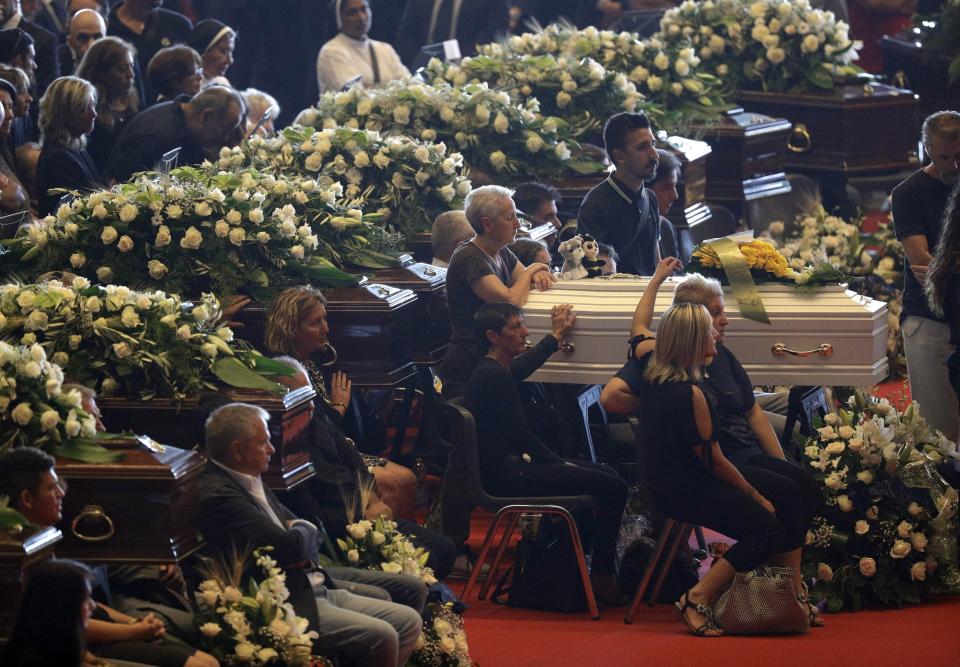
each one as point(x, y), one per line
point(192, 238)
point(203, 209)
point(100, 211)
point(122, 350)
point(108, 235)
point(221, 228)
point(562, 151)
point(130, 318)
point(210, 629)
point(377, 538)
point(184, 332)
point(60, 359)
point(125, 244)
point(163, 237)
point(844, 503)
point(865, 476)
point(297, 251)
point(128, 212)
point(237, 236)
point(353, 556)
point(868, 567)
point(534, 143)
point(914, 509)
point(498, 160)
point(263, 237)
point(22, 414)
point(661, 61)
point(904, 529)
point(919, 541)
point(900, 549)
point(835, 448)
point(244, 651)
point(563, 99)
point(391, 568)
point(265, 655)
point(846, 432)
point(422, 154)
point(174, 211)
point(200, 313)
point(358, 530)
point(401, 114)
point(156, 269)
point(256, 216)
point(209, 349)
point(234, 217)
point(77, 260)
point(482, 114)
point(918, 572)
point(37, 320)
point(501, 124)
point(824, 572)
point(855, 444)
point(861, 527)
point(810, 44)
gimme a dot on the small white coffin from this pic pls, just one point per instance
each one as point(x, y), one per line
point(841, 337)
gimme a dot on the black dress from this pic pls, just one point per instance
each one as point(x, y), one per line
point(62, 167)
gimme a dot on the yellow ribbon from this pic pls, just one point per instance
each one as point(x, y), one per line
point(741, 281)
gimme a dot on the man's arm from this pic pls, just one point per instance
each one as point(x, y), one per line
point(918, 252)
point(761, 427)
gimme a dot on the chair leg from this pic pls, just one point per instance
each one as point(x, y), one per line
point(484, 550)
point(682, 534)
point(668, 527)
point(511, 523)
point(581, 564)
point(701, 541)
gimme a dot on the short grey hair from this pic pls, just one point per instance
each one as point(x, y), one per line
point(448, 230)
point(695, 288)
point(482, 203)
point(944, 124)
point(229, 424)
point(288, 380)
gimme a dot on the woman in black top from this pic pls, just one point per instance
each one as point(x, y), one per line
point(943, 281)
point(109, 65)
point(513, 460)
point(689, 477)
point(54, 612)
point(68, 111)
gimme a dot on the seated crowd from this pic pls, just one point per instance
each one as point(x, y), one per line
point(139, 81)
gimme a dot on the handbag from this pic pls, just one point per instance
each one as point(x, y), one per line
point(762, 602)
point(545, 574)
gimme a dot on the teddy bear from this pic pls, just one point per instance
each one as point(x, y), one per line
point(572, 252)
point(591, 249)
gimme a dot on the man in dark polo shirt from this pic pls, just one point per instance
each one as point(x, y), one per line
point(200, 126)
point(620, 211)
point(918, 206)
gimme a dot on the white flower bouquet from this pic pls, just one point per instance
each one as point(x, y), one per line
point(377, 545)
point(668, 73)
point(770, 45)
point(193, 231)
point(133, 343)
point(410, 180)
point(443, 641)
point(579, 90)
point(493, 133)
point(257, 627)
point(887, 532)
point(36, 411)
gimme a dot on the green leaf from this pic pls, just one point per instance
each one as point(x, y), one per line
point(86, 451)
point(325, 274)
point(267, 366)
point(585, 166)
point(233, 372)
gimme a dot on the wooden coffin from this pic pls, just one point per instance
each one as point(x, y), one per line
point(910, 66)
point(853, 329)
point(853, 129)
point(180, 423)
point(141, 508)
point(429, 284)
point(373, 329)
point(17, 555)
point(421, 247)
point(747, 159)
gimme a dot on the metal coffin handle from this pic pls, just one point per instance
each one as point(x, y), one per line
point(568, 347)
point(800, 140)
point(94, 512)
point(781, 350)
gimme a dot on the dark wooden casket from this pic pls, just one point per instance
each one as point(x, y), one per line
point(372, 327)
point(747, 159)
point(429, 284)
point(922, 71)
point(17, 555)
point(141, 508)
point(854, 129)
point(180, 423)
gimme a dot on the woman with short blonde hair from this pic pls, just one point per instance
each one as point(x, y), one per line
point(67, 115)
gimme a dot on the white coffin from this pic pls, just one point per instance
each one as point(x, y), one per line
point(855, 327)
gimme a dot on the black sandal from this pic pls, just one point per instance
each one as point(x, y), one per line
point(680, 609)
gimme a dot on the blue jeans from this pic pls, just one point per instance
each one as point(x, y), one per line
point(926, 343)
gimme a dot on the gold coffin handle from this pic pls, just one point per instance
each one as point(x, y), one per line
point(800, 140)
point(781, 350)
point(568, 347)
point(93, 512)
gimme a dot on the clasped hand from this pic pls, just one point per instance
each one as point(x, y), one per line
point(562, 318)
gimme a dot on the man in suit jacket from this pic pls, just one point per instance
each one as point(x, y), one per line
point(44, 41)
point(471, 22)
point(237, 510)
point(86, 27)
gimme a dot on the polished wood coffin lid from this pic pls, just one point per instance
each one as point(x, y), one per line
point(432, 320)
point(141, 508)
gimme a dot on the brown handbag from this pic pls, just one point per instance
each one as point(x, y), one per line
point(762, 602)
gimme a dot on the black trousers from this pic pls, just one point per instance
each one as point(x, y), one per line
point(573, 478)
point(728, 510)
point(800, 476)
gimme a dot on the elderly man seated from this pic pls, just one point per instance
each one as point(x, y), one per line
point(450, 229)
point(238, 511)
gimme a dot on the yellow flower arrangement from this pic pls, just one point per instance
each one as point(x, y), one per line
point(758, 255)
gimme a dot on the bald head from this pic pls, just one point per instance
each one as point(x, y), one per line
point(86, 27)
point(449, 230)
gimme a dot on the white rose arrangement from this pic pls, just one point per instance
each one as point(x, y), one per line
point(203, 229)
point(252, 624)
point(139, 343)
point(414, 179)
point(377, 545)
point(443, 641)
point(887, 528)
point(468, 118)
